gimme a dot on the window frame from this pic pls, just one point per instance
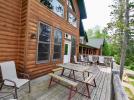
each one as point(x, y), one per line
point(72, 11)
point(61, 2)
point(73, 37)
point(58, 45)
point(38, 41)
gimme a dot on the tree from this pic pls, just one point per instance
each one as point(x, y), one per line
point(125, 38)
point(97, 33)
point(122, 36)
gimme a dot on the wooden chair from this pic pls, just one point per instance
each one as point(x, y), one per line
point(10, 78)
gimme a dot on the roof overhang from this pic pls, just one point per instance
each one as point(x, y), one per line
point(82, 31)
point(87, 46)
point(82, 9)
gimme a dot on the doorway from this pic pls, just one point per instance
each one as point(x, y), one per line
point(67, 51)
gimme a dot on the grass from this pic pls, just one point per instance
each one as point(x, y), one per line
point(132, 78)
point(129, 93)
point(131, 81)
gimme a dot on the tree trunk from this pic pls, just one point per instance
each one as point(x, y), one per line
point(125, 38)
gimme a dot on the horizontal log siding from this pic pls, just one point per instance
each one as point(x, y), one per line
point(37, 12)
point(18, 19)
point(22, 36)
point(10, 12)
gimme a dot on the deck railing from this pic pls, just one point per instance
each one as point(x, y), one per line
point(118, 92)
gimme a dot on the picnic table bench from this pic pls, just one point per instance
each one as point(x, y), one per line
point(71, 84)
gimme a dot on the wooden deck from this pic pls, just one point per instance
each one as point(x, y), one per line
point(58, 92)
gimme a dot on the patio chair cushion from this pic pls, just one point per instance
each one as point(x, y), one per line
point(19, 82)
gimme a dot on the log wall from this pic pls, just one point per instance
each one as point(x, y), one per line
point(10, 12)
point(40, 13)
point(9, 29)
point(19, 19)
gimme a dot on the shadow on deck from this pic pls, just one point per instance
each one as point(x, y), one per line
point(58, 92)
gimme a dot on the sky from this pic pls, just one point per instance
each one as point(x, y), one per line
point(98, 13)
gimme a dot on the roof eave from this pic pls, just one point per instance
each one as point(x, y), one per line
point(83, 14)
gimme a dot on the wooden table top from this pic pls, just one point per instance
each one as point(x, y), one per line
point(75, 67)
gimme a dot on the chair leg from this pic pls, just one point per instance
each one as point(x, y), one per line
point(1, 85)
point(16, 96)
point(94, 83)
point(83, 75)
point(29, 86)
point(88, 74)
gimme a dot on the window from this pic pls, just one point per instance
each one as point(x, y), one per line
point(73, 48)
point(57, 44)
point(55, 5)
point(70, 5)
point(44, 33)
point(72, 19)
point(71, 16)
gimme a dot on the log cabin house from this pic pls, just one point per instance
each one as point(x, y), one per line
point(37, 34)
point(90, 46)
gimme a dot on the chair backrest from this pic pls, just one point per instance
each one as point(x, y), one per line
point(8, 70)
point(90, 58)
point(81, 57)
point(101, 59)
point(75, 59)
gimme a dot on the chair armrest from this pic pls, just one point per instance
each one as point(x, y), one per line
point(25, 75)
point(9, 81)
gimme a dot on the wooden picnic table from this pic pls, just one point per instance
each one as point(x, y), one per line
point(90, 80)
point(74, 68)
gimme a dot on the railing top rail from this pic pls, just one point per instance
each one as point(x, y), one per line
point(119, 92)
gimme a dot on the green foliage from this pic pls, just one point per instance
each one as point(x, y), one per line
point(106, 49)
point(129, 93)
point(118, 28)
point(97, 33)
